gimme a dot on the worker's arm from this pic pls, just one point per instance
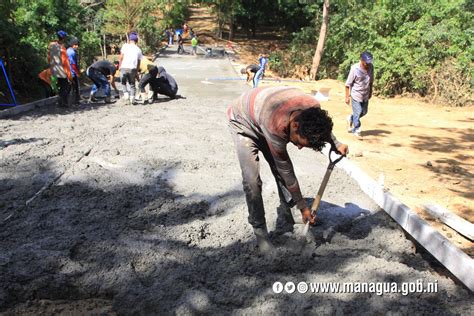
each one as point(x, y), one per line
point(349, 83)
point(248, 74)
point(348, 95)
point(112, 83)
point(339, 147)
point(371, 80)
point(140, 56)
point(120, 58)
point(285, 169)
point(76, 69)
point(138, 71)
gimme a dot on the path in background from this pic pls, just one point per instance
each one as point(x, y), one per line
point(149, 217)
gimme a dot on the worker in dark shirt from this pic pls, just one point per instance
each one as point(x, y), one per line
point(250, 70)
point(160, 82)
point(102, 74)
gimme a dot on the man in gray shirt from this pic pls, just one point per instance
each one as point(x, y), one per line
point(359, 89)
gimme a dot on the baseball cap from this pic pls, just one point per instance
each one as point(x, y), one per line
point(133, 36)
point(61, 34)
point(73, 41)
point(367, 57)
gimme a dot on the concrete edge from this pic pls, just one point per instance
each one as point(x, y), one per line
point(450, 256)
point(27, 107)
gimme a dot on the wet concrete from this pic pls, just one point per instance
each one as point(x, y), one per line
point(143, 212)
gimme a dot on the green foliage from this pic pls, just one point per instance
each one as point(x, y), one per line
point(124, 16)
point(89, 48)
point(27, 29)
point(174, 13)
point(410, 40)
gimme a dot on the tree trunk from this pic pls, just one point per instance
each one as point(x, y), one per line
point(231, 29)
point(322, 38)
point(105, 48)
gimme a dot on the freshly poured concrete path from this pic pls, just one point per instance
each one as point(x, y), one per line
point(141, 210)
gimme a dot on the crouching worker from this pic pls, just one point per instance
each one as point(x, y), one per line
point(102, 74)
point(250, 70)
point(160, 82)
point(265, 120)
point(48, 83)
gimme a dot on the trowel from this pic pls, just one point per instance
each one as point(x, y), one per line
point(317, 199)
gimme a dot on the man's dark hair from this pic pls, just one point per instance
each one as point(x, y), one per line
point(315, 125)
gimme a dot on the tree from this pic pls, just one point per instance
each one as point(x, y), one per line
point(225, 12)
point(322, 38)
point(122, 16)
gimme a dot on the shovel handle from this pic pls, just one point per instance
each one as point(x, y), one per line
point(327, 175)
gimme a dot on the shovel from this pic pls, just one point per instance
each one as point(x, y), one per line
point(317, 199)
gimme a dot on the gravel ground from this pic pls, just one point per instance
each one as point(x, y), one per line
point(140, 210)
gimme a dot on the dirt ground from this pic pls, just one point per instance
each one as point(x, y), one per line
point(424, 152)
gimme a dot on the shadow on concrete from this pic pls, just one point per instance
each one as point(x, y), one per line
point(150, 250)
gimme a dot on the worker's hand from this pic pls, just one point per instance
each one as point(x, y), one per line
point(306, 215)
point(343, 149)
point(348, 100)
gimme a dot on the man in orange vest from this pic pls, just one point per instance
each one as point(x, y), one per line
point(59, 65)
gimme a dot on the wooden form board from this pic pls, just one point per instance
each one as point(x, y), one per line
point(457, 223)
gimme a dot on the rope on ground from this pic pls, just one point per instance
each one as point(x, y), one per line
point(49, 184)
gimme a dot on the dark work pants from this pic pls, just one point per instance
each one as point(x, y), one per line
point(64, 88)
point(157, 85)
point(128, 75)
point(248, 144)
point(46, 88)
point(76, 93)
point(162, 88)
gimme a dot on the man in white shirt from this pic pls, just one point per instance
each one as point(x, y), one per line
point(129, 59)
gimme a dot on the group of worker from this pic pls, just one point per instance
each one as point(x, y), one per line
point(64, 71)
point(262, 120)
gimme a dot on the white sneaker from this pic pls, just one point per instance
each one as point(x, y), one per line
point(349, 123)
point(358, 132)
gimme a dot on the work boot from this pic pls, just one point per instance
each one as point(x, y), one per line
point(92, 98)
point(358, 132)
point(133, 101)
point(349, 124)
point(108, 100)
point(264, 244)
